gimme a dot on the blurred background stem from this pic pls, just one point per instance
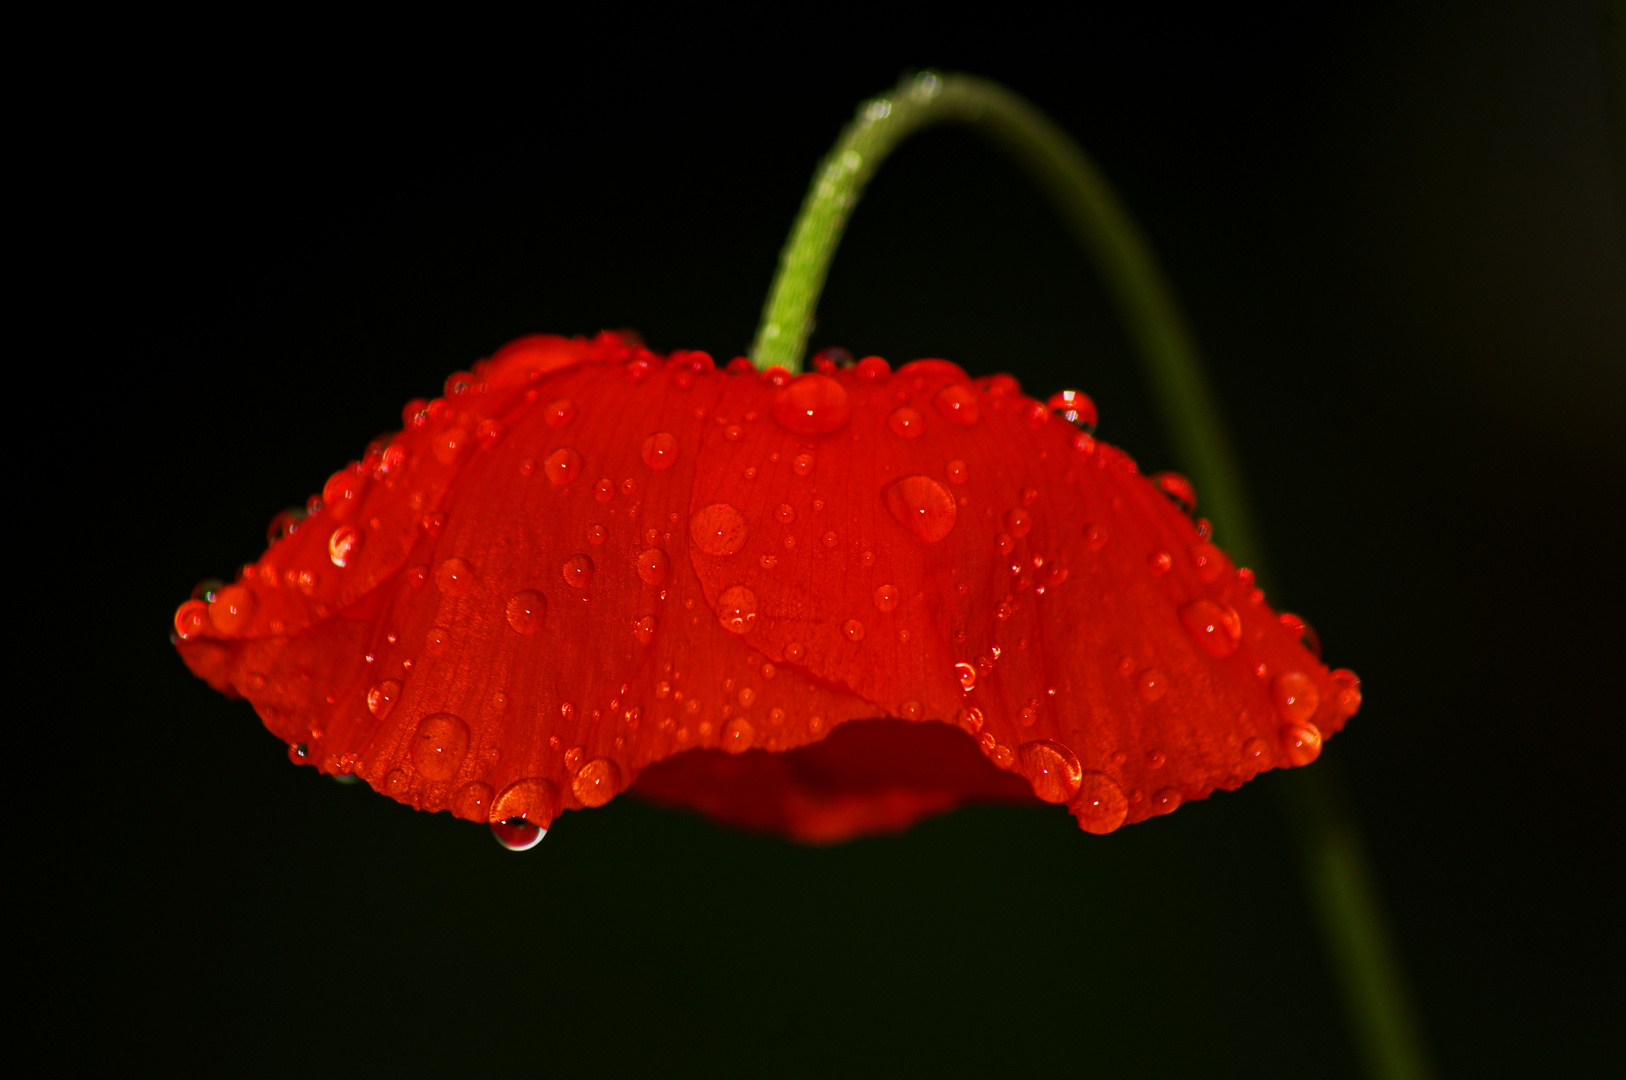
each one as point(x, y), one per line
point(1337, 869)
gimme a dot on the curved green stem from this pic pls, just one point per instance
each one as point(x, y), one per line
point(1338, 874)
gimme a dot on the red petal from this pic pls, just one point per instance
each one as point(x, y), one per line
point(585, 561)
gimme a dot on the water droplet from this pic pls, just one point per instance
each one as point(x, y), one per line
point(785, 514)
point(439, 746)
point(597, 782)
point(660, 450)
point(746, 696)
point(1035, 415)
point(794, 652)
point(802, 464)
point(1347, 701)
point(433, 522)
point(604, 490)
point(830, 539)
point(738, 735)
point(644, 629)
point(956, 471)
point(1256, 753)
point(966, 674)
point(231, 608)
point(532, 801)
point(853, 629)
point(1296, 697)
point(1209, 561)
point(285, 524)
point(1027, 715)
point(1216, 627)
point(1095, 537)
point(596, 534)
point(1301, 743)
point(652, 566)
point(434, 642)
point(1152, 684)
point(190, 619)
point(577, 571)
point(472, 801)
point(1100, 806)
point(562, 466)
point(970, 719)
point(921, 505)
point(1160, 562)
point(454, 577)
point(1074, 407)
point(1302, 631)
point(396, 781)
point(517, 837)
point(829, 360)
point(906, 423)
point(768, 562)
point(1003, 755)
point(958, 403)
point(1053, 770)
point(1166, 801)
point(1178, 488)
point(718, 530)
point(381, 698)
point(873, 369)
point(733, 433)
point(812, 405)
point(559, 412)
point(449, 444)
point(1018, 521)
point(737, 609)
point(887, 597)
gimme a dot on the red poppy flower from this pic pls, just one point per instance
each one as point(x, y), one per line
point(822, 605)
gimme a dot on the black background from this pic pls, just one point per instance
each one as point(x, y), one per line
point(1399, 238)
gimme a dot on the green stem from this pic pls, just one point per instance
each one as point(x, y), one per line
point(1338, 873)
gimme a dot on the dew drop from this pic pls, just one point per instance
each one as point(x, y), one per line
point(1095, 537)
point(718, 529)
point(1301, 743)
point(956, 471)
point(434, 642)
point(802, 464)
point(794, 652)
point(577, 571)
point(1256, 753)
point(812, 405)
point(1018, 521)
point(887, 597)
point(906, 423)
point(596, 534)
point(597, 782)
point(737, 609)
point(231, 607)
point(1166, 801)
point(604, 490)
point(1035, 415)
point(1178, 488)
point(533, 801)
point(1152, 684)
point(966, 674)
point(381, 698)
point(652, 566)
point(344, 545)
point(521, 837)
point(660, 451)
point(559, 412)
point(830, 539)
point(449, 444)
point(958, 403)
point(769, 561)
point(785, 514)
point(472, 801)
point(1100, 806)
point(562, 466)
point(1155, 759)
point(970, 719)
point(1074, 407)
point(853, 629)
point(190, 619)
point(738, 735)
point(1053, 770)
point(874, 369)
point(644, 629)
point(396, 781)
point(454, 577)
point(921, 505)
point(1004, 543)
point(1160, 562)
point(439, 746)
point(1003, 755)
point(1296, 698)
point(1216, 627)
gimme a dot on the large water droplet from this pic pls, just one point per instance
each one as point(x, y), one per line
point(660, 451)
point(887, 597)
point(1216, 627)
point(652, 566)
point(718, 529)
point(1053, 770)
point(921, 505)
point(532, 801)
point(231, 608)
point(526, 610)
point(958, 402)
point(812, 405)
point(1100, 806)
point(738, 735)
point(562, 466)
point(521, 837)
point(454, 577)
point(906, 423)
point(597, 782)
point(1301, 743)
point(577, 571)
point(439, 746)
point(381, 698)
point(1296, 697)
point(737, 609)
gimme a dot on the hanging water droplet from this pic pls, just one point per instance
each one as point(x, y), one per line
point(906, 423)
point(1100, 806)
point(439, 747)
point(1053, 770)
point(533, 801)
point(520, 836)
point(577, 571)
point(1178, 488)
point(1301, 743)
point(737, 609)
point(1216, 627)
point(812, 405)
point(921, 505)
point(1075, 407)
point(562, 466)
point(454, 577)
point(718, 530)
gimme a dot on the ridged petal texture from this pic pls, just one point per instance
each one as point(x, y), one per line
point(823, 605)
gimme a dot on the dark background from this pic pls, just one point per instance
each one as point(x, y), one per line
point(1398, 234)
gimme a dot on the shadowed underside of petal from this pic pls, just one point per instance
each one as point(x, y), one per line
point(586, 560)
